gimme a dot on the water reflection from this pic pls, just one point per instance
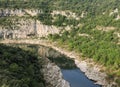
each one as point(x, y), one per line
point(59, 59)
point(70, 72)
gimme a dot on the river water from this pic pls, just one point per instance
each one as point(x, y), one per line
point(76, 78)
point(70, 72)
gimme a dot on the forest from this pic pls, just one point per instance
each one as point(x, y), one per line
point(19, 68)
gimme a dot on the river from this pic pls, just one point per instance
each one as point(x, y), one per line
point(76, 78)
point(70, 72)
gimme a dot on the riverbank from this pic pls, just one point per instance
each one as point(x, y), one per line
point(91, 70)
point(52, 74)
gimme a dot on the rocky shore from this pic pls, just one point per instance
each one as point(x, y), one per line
point(52, 74)
point(91, 70)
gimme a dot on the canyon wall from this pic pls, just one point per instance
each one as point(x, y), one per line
point(22, 24)
point(27, 28)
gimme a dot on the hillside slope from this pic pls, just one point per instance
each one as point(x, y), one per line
point(19, 68)
point(90, 27)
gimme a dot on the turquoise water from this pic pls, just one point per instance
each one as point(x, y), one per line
point(77, 78)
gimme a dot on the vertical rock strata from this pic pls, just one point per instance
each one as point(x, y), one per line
point(27, 28)
point(22, 25)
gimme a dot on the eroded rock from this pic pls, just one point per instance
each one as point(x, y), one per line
point(52, 75)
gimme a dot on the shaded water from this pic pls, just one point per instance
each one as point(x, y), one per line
point(70, 72)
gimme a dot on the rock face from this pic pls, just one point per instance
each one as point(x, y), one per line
point(68, 14)
point(19, 12)
point(93, 72)
point(44, 30)
point(26, 28)
point(23, 25)
point(22, 29)
point(51, 72)
point(52, 75)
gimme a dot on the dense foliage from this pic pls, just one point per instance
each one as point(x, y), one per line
point(100, 46)
point(99, 10)
point(19, 68)
point(103, 13)
point(20, 3)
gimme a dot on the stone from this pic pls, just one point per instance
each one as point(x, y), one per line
point(52, 75)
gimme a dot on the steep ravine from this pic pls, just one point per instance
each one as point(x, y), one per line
point(91, 71)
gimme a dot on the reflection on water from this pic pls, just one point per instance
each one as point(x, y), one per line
point(70, 72)
point(59, 59)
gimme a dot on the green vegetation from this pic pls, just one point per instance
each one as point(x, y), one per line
point(57, 20)
point(20, 3)
point(11, 22)
point(8, 22)
point(19, 68)
point(98, 10)
point(98, 44)
point(45, 18)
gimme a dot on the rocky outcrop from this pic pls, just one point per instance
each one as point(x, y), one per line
point(21, 29)
point(102, 28)
point(26, 28)
point(52, 74)
point(93, 72)
point(115, 12)
point(68, 14)
point(22, 26)
point(44, 30)
point(19, 12)
point(11, 12)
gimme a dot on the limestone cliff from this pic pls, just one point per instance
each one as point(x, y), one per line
point(19, 12)
point(26, 29)
point(21, 24)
